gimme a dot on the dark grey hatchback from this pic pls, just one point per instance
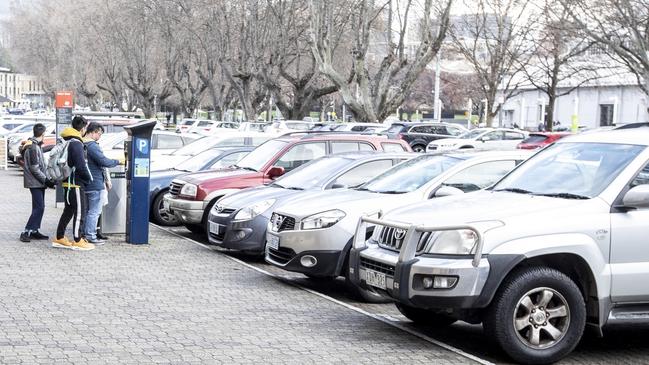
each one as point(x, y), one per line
point(419, 134)
point(239, 221)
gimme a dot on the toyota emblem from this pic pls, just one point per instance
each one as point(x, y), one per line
point(399, 234)
point(219, 208)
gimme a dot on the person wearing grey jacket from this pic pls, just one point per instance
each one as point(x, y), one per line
point(36, 181)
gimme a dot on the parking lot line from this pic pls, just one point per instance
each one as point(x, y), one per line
point(384, 319)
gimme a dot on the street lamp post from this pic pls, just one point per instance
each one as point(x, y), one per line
point(437, 108)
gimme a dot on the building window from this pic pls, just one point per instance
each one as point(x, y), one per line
point(606, 114)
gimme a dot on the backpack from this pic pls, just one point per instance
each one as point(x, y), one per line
point(57, 166)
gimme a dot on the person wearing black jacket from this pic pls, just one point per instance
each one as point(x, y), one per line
point(36, 181)
point(72, 188)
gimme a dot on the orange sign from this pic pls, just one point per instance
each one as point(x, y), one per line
point(64, 99)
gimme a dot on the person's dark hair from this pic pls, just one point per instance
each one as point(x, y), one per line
point(78, 122)
point(39, 129)
point(94, 127)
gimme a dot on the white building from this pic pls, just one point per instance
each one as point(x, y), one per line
point(23, 90)
point(615, 98)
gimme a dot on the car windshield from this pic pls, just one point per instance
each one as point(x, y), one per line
point(188, 122)
point(472, 134)
point(395, 128)
point(256, 159)
point(570, 170)
point(299, 126)
point(313, 174)
point(26, 128)
point(198, 162)
point(410, 175)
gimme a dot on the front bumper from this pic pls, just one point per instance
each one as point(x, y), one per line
point(404, 280)
point(328, 246)
point(187, 211)
point(249, 235)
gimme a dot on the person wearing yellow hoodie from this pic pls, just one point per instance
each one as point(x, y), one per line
point(72, 188)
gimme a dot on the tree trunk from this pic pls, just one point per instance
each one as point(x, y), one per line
point(549, 118)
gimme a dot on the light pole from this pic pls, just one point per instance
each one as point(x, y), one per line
point(437, 107)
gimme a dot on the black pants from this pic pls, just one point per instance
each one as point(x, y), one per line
point(73, 210)
point(38, 208)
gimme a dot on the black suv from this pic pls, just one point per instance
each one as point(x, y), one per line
point(418, 134)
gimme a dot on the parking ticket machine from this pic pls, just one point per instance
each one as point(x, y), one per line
point(138, 161)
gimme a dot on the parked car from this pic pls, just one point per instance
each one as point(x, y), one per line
point(282, 126)
point(15, 140)
point(312, 233)
point(161, 142)
point(482, 138)
point(558, 244)
point(540, 139)
point(171, 159)
point(252, 127)
point(212, 127)
point(191, 197)
point(355, 127)
point(9, 126)
point(239, 220)
point(211, 159)
point(419, 135)
point(185, 125)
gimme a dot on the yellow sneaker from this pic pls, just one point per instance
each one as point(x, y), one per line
point(62, 243)
point(82, 245)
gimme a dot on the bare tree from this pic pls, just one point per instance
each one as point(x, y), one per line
point(621, 28)
point(496, 41)
point(383, 66)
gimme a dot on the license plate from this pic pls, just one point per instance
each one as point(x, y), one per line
point(272, 242)
point(375, 279)
point(215, 228)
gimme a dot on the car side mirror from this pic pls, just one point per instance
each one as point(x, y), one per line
point(447, 191)
point(275, 172)
point(338, 186)
point(637, 197)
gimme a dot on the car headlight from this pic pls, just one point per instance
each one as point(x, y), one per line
point(189, 190)
point(254, 210)
point(323, 220)
point(460, 242)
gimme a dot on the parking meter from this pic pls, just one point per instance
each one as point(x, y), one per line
point(138, 157)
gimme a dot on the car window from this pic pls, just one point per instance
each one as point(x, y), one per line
point(364, 146)
point(301, 154)
point(256, 141)
point(362, 173)
point(168, 142)
point(642, 178)
point(232, 141)
point(395, 128)
point(535, 138)
point(480, 176)
point(438, 129)
point(493, 136)
point(339, 147)
point(203, 123)
point(228, 160)
point(422, 129)
point(359, 128)
point(454, 131)
point(514, 135)
point(392, 147)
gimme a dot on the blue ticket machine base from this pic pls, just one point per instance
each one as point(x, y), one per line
point(138, 160)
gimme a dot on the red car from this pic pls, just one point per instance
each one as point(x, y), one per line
point(192, 196)
point(540, 140)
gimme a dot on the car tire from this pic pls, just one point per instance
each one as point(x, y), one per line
point(425, 317)
point(320, 279)
point(466, 147)
point(160, 217)
point(196, 228)
point(524, 299)
point(419, 148)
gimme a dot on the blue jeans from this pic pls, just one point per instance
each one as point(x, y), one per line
point(38, 207)
point(94, 210)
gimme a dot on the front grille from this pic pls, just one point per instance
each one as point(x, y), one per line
point(221, 210)
point(377, 266)
point(174, 188)
point(219, 237)
point(282, 255)
point(392, 239)
point(282, 223)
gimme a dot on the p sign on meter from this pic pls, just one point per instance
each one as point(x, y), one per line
point(138, 150)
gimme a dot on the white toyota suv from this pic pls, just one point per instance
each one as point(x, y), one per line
point(558, 244)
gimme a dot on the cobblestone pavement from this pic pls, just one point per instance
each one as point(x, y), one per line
point(170, 302)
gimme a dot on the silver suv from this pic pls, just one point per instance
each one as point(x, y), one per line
point(559, 243)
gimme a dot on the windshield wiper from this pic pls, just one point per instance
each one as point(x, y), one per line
point(516, 190)
point(565, 196)
point(293, 188)
point(391, 192)
point(277, 185)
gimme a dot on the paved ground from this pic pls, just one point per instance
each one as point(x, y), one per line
point(171, 302)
